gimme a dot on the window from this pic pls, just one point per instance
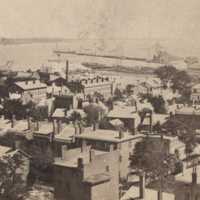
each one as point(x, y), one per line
point(194, 90)
point(107, 168)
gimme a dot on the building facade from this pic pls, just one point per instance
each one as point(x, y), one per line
point(87, 174)
point(27, 90)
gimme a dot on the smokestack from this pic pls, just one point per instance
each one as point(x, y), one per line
point(92, 155)
point(142, 185)
point(13, 121)
point(67, 71)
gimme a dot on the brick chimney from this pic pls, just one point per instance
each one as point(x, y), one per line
point(194, 176)
point(94, 125)
point(92, 154)
point(76, 129)
point(55, 131)
point(59, 126)
point(37, 125)
point(13, 121)
point(67, 71)
point(84, 146)
point(111, 148)
point(80, 163)
point(29, 122)
point(121, 134)
point(142, 185)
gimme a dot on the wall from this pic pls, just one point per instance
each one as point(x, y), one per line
point(69, 182)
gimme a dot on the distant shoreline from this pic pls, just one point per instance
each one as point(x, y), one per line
point(21, 41)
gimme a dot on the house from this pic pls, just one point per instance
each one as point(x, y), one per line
point(151, 86)
point(23, 160)
point(195, 94)
point(172, 145)
point(188, 116)
point(128, 115)
point(28, 90)
point(98, 84)
point(102, 140)
point(65, 139)
point(141, 192)
point(87, 174)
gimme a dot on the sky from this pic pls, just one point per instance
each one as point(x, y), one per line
point(116, 24)
point(110, 19)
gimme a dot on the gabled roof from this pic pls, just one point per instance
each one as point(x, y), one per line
point(30, 85)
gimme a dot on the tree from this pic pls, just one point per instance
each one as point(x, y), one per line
point(166, 73)
point(41, 160)
point(157, 102)
point(17, 108)
point(182, 82)
point(39, 113)
point(152, 158)
point(11, 182)
point(118, 94)
point(95, 112)
point(184, 129)
point(77, 117)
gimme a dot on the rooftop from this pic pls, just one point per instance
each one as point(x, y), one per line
point(161, 118)
point(133, 193)
point(107, 135)
point(127, 112)
point(21, 125)
point(188, 111)
point(66, 134)
point(45, 128)
point(30, 85)
point(4, 124)
point(59, 113)
point(197, 86)
point(97, 179)
point(186, 176)
point(4, 150)
point(73, 163)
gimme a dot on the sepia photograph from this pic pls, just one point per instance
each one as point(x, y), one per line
point(99, 100)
